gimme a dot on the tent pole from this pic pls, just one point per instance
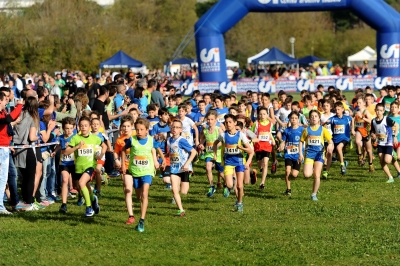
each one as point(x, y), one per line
point(100, 72)
point(298, 73)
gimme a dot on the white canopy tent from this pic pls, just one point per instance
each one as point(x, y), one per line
point(366, 54)
point(263, 52)
point(231, 64)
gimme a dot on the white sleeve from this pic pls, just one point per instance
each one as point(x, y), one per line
point(221, 138)
point(243, 138)
point(190, 122)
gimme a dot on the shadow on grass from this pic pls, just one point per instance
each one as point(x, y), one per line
point(71, 219)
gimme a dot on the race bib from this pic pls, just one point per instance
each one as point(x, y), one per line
point(175, 158)
point(67, 158)
point(263, 136)
point(221, 118)
point(209, 146)
point(98, 150)
point(360, 124)
point(231, 149)
point(86, 151)
point(338, 129)
point(141, 161)
point(292, 150)
point(387, 107)
point(127, 156)
point(151, 125)
point(381, 137)
point(314, 140)
point(188, 135)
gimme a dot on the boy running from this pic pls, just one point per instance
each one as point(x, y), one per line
point(235, 142)
point(208, 136)
point(67, 165)
point(181, 154)
point(382, 131)
point(83, 146)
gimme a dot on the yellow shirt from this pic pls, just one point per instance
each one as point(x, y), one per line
point(325, 135)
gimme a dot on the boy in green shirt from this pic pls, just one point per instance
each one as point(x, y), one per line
point(83, 146)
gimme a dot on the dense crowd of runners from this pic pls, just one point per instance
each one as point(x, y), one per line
point(62, 137)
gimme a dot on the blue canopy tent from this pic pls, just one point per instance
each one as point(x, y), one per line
point(275, 57)
point(310, 60)
point(120, 60)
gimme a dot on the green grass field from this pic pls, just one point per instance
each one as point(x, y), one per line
point(355, 222)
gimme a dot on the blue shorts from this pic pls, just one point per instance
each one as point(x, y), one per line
point(218, 167)
point(138, 182)
point(230, 169)
point(314, 156)
point(385, 149)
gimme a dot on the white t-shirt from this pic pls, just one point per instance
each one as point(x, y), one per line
point(187, 125)
point(229, 72)
point(325, 118)
point(283, 113)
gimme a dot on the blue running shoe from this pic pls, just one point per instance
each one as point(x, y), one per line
point(140, 226)
point(211, 191)
point(239, 207)
point(346, 163)
point(314, 197)
point(95, 205)
point(168, 186)
point(226, 192)
point(89, 212)
point(81, 201)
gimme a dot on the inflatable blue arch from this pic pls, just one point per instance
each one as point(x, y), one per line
point(225, 14)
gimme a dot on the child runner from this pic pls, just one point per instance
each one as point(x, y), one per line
point(181, 154)
point(67, 164)
point(362, 123)
point(282, 117)
point(188, 125)
point(394, 115)
point(142, 165)
point(161, 132)
point(235, 142)
point(126, 132)
point(314, 136)
point(381, 129)
point(208, 136)
point(95, 123)
point(152, 115)
point(264, 146)
point(388, 99)
point(340, 125)
point(290, 144)
point(83, 146)
point(221, 110)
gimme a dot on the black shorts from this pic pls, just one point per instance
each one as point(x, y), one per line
point(385, 149)
point(184, 176)
point(294, 164)
point(68, 168)
point(345, 142)
point(77, 176)
point(167, 172)
point(262, 154)
point(366, 139)
point(38, 153)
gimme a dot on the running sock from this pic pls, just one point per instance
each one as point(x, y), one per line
point(341, 164)
point(86, 196)
point(91, 195)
